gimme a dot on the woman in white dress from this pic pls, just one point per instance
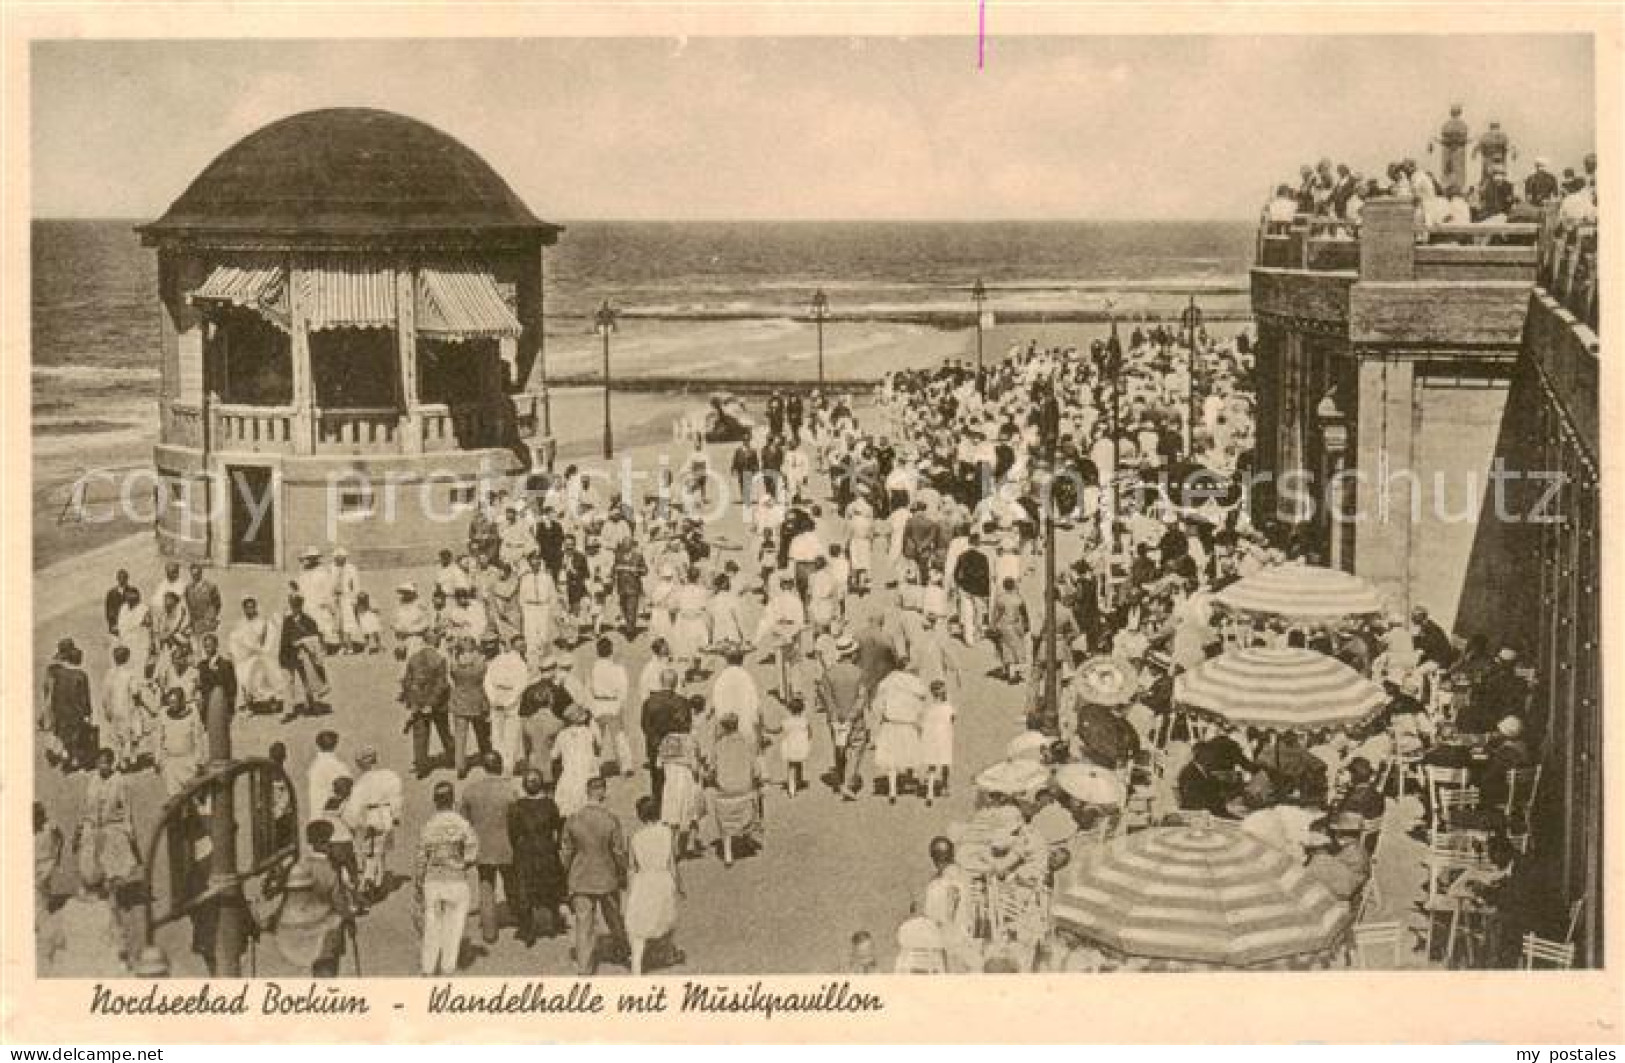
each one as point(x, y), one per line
point(651, 896)
point(860, 543)
point(691, 626)
point(682, 800)
point(662, 596)
point(576, 750)
point(899, 702)
point(133, 628)
point(726, 613)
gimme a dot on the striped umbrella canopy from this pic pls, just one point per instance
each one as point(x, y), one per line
point(1210, 895)
point(1305, 592)
point(1280, 690)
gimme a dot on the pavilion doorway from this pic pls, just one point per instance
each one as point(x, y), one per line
point(253, 515)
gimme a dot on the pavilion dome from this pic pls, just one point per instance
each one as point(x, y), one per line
point(347, 172)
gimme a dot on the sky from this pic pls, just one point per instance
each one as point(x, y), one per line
point(1089, 128)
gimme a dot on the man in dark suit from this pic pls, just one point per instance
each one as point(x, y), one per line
point(486, 803)
point(593, 849)
point(745, 465)
point(1431, 641)
point(665, 712)
point(215, 672)
point(550, 542)
point(425, 689)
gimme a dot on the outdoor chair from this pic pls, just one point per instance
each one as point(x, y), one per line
point(1448, 855)
point(1371, 898)
point(1449, 802)
point(1576, 911)
point(922, 961)
point(1541, 954)
point(1441, 780)
point(1523, 784)
point(1376, 946)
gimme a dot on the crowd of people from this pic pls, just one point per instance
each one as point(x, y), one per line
point(878, 554)
point(1446, 195)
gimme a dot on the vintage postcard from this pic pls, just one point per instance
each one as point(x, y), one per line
point(966, 522)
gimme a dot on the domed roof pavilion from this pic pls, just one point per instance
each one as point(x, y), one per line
point(348, 296)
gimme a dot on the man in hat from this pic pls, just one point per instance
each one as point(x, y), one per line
point(594, 851)
point(541, 716)
point(666, 712)
point(487, 801)
point(844, 695)
point(447, 850)
point(425, 691)
point(507, 674)
point(302, 654)
point(377, 801)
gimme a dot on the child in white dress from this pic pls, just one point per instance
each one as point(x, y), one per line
point(937, 740)
point(795, 745)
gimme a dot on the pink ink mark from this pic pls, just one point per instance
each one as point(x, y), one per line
point(981, 34)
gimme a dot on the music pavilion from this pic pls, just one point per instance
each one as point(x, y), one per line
point(351, 340)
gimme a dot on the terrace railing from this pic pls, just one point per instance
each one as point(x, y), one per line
point(1567, 266)
point(1409, 250)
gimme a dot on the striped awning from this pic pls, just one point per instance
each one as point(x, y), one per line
point(1284, 690)
point(1205, 895)
point(1303, 591)
point(341, 292)
point(462, 302)
point(260, 288)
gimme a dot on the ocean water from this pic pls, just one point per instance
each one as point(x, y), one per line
point(95, 318)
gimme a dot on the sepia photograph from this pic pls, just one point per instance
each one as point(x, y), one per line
point(830, 505)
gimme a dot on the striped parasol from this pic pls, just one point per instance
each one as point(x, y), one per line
point(1211, 895)
point(1304, 592)
point(1282, 690)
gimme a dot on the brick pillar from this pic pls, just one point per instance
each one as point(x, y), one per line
point(1388, 239)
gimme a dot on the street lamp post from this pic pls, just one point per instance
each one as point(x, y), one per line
point(1192, 320)
point(978, 294)
point(231, 908)
point(820, 310)
point(1049, 428)
point(1334, 435)
point(1114, 367)
point(604, 322)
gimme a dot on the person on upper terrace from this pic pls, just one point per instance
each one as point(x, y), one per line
point(1282, 209)
point(1497, 197)
point(1579, 203)
point(1540, 186)
point(1455, 210)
